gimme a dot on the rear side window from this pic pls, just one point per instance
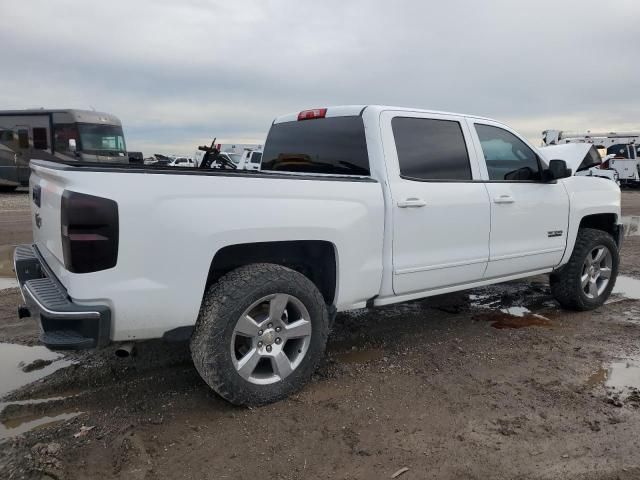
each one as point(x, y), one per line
point(334, 145)
point(430, 149)
point(40, 138)
point(508, 158)
point(6, 136)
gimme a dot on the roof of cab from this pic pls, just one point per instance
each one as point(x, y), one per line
point(355, 110)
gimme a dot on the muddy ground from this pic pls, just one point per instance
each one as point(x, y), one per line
point(493, 383)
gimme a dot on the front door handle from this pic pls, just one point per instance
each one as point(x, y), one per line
point(412, 203)
point(503, 199)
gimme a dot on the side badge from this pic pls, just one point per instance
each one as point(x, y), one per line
point(38, 220)
point(554, 233)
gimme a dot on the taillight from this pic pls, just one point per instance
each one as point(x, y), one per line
point(89, 232)
point(311, 114)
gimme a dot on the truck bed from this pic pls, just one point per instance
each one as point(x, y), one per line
point(172, 221)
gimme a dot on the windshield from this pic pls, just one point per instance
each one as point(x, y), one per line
point(235, 157)
point(101, 139)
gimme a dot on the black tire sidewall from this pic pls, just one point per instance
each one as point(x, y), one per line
point(219, 332)
point(598, 239)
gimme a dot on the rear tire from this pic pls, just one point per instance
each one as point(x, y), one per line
point(587, 280)
point(261, 332)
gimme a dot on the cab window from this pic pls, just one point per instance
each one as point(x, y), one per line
point(507, 157)
point(619, 150)
point(431, 149)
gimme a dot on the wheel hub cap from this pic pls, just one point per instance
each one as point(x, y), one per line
point(270, 339)
point(596, 271)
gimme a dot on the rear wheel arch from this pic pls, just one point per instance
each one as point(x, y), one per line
point(315, 259)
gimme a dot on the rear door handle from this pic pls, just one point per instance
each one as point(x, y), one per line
point(412, 203)
point(503, 199)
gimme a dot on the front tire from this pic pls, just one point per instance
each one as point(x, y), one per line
point(261, 332)
point(587, 280)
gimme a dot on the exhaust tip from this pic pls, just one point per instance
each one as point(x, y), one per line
point(125, 350)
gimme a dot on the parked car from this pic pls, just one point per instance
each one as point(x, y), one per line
point(354, 206)
point(233, 157)
point(182, 162)
point(161, 160)
point(250, 160)
point(582, 158)
point(136, 157)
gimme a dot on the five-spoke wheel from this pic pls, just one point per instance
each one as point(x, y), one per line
point(596, 271)
point(270, 338)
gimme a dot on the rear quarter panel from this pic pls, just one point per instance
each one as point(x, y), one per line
point(171, 226)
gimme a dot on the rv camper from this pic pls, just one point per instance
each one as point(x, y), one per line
point(56, 135)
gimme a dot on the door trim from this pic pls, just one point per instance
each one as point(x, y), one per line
point(526, 254)
point(402, 271)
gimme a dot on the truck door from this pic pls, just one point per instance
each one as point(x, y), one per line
point(529, 218)
point(440, 215)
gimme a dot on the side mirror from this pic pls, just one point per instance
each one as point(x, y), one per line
point(557, 170)
point(72, 144)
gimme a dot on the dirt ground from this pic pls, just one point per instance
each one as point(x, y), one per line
point(496, 383)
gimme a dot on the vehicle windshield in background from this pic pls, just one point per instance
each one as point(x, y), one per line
point(101, 139)
point(619, 150)
point(334, 145)
point(235, 157)
point(591, 159)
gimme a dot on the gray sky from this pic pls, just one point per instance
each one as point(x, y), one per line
point(178, 73)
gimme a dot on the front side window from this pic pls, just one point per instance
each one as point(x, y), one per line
point(334, 145)
point(430, 149)
point(255, 157)
point(508, 158)
point(62, 133)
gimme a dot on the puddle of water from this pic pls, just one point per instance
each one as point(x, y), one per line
point(631, 225)
point(8, 283)
point(516, 311)
point(598, 377)
point(16, 426)
point(6, 260)
point(623, 376)
point(14, 358)
point(360, 356)
point(520, 321)
point(621, 379)
point(627, 287)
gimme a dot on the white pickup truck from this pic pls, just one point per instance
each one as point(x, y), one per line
point(354, 206)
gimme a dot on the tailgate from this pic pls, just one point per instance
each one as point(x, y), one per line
point(46, 187)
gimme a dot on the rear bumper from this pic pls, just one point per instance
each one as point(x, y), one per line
point(63, 323)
